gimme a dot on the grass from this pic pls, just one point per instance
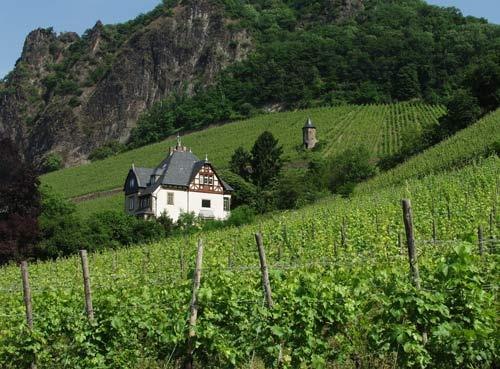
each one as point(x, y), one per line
point(379, 127)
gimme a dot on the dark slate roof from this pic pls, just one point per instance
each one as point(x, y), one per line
point(143, 175)
point(309, 124)
point(226, 185)
point(178, 169)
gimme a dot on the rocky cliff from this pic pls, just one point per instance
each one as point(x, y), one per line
point(69, 94)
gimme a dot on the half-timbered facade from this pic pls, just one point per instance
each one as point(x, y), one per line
point(180, 183)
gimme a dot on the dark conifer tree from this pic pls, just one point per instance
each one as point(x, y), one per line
point(266, 159)
point(241, 163)
point(19, 204)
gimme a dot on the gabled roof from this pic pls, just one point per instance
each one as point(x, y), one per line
point(178, 169)
point(143, 175)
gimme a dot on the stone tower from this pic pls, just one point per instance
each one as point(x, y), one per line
point(309, 135)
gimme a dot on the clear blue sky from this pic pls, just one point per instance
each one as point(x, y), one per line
point(19, 17)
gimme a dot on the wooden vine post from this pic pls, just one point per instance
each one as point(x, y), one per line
point(412, 254)
point(265, 272)
point(480, 240)
point(188, 364)
point(266, 284)
point(343, 233)
point(86, 285)
point(27, 299)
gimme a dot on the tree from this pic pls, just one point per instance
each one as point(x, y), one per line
point(266, 159)
point(463, 110)
point(407, 85)
point(61, 231)
point(241, 163)
point(484, 80)
point(19, 204)
point(348, 168)
point(244, 192)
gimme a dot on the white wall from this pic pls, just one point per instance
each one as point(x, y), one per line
point(185, 201)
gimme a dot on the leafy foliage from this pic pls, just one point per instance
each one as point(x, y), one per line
point(341, 173)
point(266, 159)
point(463, 110)
point(109, 149)
point(241, 163)
point(19, 204)
point(334, 304)
point(379, 127)
point(307, 54)
point(52, 162)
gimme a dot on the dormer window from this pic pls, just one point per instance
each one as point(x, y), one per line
point(132, 182)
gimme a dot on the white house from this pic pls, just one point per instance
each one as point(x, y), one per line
point(180, 183)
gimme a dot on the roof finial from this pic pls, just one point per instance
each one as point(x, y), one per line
point(206, 157)
point(133, 166)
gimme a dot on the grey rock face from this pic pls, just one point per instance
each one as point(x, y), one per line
point(110, 84)
point(172, 52)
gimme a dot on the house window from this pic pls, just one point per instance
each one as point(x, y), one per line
point(205, 203)
point(227, 204)
point(210, 180)
point(132, 182)
point(170, 198)
point(131, 203)
point(205, 179)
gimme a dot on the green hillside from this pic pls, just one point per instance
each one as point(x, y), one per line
point(379, 127)
point(476, 141)
point(339, 280)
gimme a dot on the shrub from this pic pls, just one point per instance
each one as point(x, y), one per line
point(243, 214)
point(244, 192)
point(108, 149)
point(188, 222)
point(52, 162)
point(348, 168)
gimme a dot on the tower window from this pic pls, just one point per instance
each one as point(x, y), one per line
point(131, 203)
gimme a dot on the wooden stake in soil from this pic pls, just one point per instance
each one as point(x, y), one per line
point(434, 233)
point(410, 242)
point(86, 285)
point(480, 240)
point(266, 284)
point(194, 307)
point(264, 270)
point(27, 294)
point(343, 233)
point(412, 255)
point(27, 298)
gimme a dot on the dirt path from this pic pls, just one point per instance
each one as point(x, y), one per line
point(96, 195)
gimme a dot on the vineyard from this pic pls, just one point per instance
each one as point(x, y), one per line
point(378, 127)
point(462, 148)
point(341, 289)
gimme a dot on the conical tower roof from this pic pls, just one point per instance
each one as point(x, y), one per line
point(309, 123)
